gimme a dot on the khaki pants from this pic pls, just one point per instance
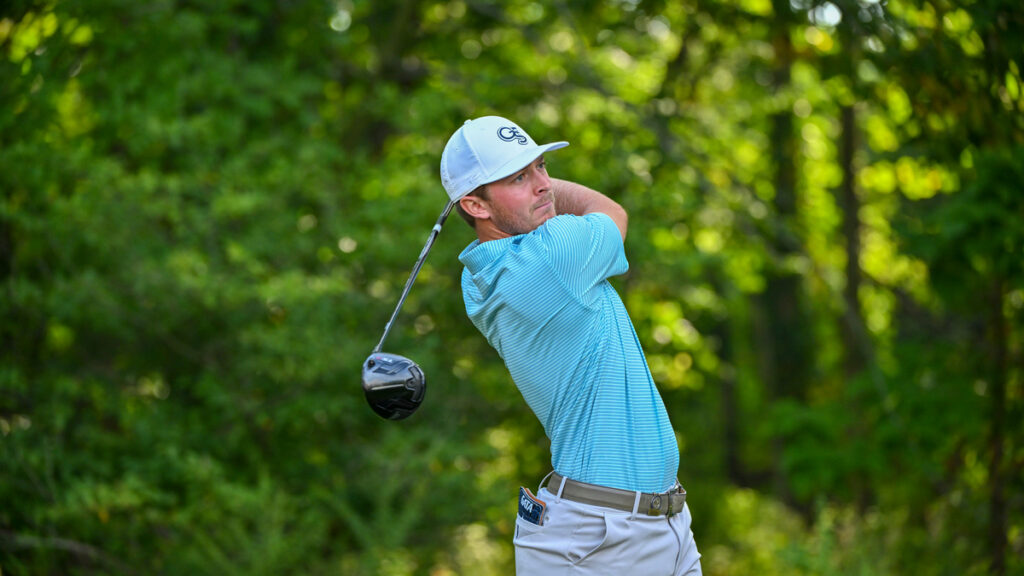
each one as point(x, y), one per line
point(581, 539)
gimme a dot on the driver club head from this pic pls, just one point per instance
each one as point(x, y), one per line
point(394, 385)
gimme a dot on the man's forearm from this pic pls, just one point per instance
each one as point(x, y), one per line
point(573, 198)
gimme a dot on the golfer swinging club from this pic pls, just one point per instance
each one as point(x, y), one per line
point(535, 284)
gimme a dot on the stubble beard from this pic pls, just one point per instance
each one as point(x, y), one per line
point(514, 223)
point(510, 224)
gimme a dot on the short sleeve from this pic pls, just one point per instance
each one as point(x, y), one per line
point(583, 250)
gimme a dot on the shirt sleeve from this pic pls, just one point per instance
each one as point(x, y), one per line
point(584, 250)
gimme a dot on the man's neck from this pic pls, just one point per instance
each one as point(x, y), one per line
point(487, 231)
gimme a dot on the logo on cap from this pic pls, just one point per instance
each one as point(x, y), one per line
point(510, 133)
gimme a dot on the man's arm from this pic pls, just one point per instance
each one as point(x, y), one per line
point(572, 198)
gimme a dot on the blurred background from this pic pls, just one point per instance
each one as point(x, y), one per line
point(208, 209)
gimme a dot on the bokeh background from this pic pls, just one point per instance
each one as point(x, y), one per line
point(208, 209)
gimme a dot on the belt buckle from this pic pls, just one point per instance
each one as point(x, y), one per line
point(654, 507)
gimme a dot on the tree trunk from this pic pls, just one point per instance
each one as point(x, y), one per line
point(9, 322)
point(852, 322)
point(787, 359)
point(731, 417)
point(997, 499)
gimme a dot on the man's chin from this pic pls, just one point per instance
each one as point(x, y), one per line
point(546, 212)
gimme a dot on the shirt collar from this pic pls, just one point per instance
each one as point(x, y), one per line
point(479, 254)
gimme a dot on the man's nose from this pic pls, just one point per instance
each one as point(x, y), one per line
point(541, 182)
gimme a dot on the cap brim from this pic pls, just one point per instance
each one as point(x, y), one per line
point(522, 160)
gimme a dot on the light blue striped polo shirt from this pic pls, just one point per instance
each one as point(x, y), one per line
point(543, 301)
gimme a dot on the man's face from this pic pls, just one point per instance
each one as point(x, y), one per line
point(523, 201)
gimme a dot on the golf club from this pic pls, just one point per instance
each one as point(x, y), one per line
point(395, 385)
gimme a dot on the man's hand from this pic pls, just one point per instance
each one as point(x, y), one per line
point(572, 198)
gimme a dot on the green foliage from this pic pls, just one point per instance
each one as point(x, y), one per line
point(208, 210)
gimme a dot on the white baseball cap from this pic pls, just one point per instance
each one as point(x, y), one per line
point(485, 150)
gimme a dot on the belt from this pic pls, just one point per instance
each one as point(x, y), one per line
point(666, 504)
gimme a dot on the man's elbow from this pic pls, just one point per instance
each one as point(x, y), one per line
point(621, 219)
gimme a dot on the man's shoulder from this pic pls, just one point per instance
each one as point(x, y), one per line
point(575, 233)
point(574, 220)
point(570, 225)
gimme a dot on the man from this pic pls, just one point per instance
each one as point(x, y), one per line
point(535, 284)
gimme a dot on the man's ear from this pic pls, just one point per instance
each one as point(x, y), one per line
point(475, 207)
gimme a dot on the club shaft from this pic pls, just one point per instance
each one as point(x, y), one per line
point(415, 271)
